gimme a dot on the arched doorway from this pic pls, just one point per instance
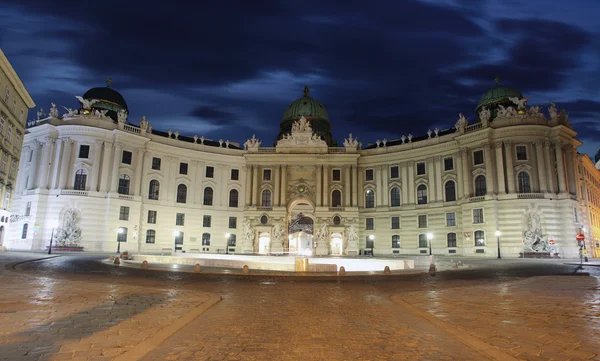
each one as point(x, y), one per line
point(336, 244)
point(300, 235)
point(264, 242)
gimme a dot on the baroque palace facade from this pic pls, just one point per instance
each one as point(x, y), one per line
point(511, 182)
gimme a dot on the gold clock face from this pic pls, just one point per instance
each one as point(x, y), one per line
point(301, 189)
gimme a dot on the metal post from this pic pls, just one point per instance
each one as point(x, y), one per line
point(499, 256)
point(51, 237)
point(430, 247)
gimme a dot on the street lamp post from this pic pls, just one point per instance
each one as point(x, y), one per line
point(372, 239)
point(429, 238)
point(227, 235)
point(119, 231)
point(51, 238)
point(498, 238)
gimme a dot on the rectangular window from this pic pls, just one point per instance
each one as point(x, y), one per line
point(370, 224)
point(395, 241)
point(155, 163)
point(451, 237)
point(478, 157)
point(152, 217)
point(150, 236)
point(266, 175)
point(370, 243)
point(477, 215)
point(4, 161)
point(448, 163)
point(232, 240)
point(394, 172)
point(420, 168)
point(369, 174)
point(126, 158)
point(336, 175)
point(451, 219)
point(395, 222)
point(7, 95)
point(206, 221)
point(13, 168)
point(180, 219)
point(210, 172)
point(183, 168)
point(575, 215)
point(206, 239)
point(84, 151)
point(124, 213)
point(521, 152)
point(28, 209)
point(235, 174)
point(422, 221)
point(233, 222)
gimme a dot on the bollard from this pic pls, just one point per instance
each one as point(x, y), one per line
point(386, 270)
point(342, 271)
point(245, 269)
point(145, 265)
point(117, 260)
point(112, 258)
point(432, 269)
point(454, 265)
point(460, 263)
point(197, 268)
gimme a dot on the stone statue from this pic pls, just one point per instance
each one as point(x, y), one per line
point(520, 103)
point(195, 139)
point(70, 233)
point(278, 235)
point(176, 134)
point(144, 123)
point(534, 111)
point(169, 132)
point(227, 143)
point(86, 104)
point(202, 140)
point(220, 142)
point(40, 113)
point(301, 125)
point(252, 143)
point(436, 131)
point(103, 113)
point(322, 236)
point(552, 111)
point(461, 122)
point(429, 133)
point(149, 128)
point(315, 137)
point(249, 235)
point(384, 142)
point(403, 138)
point(378, 142)
point(410, 138)
point(350, 142)
point(53, 111)
point(533, 240)
point(505, 112)
point(122, 117)
point(485, 115)
point(352, 239)
point(301, 136)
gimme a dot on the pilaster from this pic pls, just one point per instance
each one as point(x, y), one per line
point(541, 168)
point(489, 169)
point(510, 169)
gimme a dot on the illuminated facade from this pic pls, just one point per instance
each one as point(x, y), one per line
point(590, 189)
point(14, 106)
point(449, 192)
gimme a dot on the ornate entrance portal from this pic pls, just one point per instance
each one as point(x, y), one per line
point(300, 235)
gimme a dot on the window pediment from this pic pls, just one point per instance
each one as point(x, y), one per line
point(478, 171)
point(525, 167)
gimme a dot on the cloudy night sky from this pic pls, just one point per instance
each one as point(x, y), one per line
point(229, 69)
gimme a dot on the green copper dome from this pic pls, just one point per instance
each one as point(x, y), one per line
point(108, 99)
point(313, 111)
point(498, 94)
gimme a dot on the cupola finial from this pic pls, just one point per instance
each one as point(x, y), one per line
point(497, 80)
point(109, 81)
point(306, 91)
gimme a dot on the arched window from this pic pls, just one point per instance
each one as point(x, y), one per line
point(123, 184)
point(524, 182)
point(153, 189)
point(369, 199)
point(80, 180)
point(233, 198)
point(1, 125)
point(450, 191)
point(24, 232)
point(480, 187)
point(150, 236)
point(336, 198)
point(208, 196)
point(181, 193)
point(422, 194)
point(266, 198)
point(451, 238)
point(422, 240)
point(479, 239)
point(395, 197)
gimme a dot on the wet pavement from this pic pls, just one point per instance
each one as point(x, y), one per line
point(497, 309)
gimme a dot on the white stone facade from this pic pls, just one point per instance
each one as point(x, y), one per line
point(516, 174)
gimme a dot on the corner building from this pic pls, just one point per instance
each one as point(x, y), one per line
point(507, 182)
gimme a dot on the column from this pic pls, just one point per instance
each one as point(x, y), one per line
point(432, 182)
point(171, 170)
point(33, 175)
point(347, 185)
point(489, 169)
point(354, 185)
point(500, 168)
point(385, 169)
point(438, 173)
point(192, 190)
point(560, 167)
point(360, 182)
point(318, 181)
point(94, 179)
point(139, 172)
point(284, 185)
point(460, 191)
point(19, 181)
point(255, 185)
point(46, 153)
point(55, 171)
point(570, 168)
point(379, 186)
point(466, 172)
point(325, 185)
point(551, 175)
point(411, 182)
point(248, 190)
point(225, 172)
point(541, 167)
point(404, 176)
point(200, 187)
point(510, 170)
point(105, 171)
point(118, 148)
point(65, 162)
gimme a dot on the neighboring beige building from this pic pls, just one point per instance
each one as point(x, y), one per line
point(14, 106)
point(447, 192)
point(590, 189)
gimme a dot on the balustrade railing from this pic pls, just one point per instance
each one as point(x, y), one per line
point(71, 192)
point(132, 129)
point(530, 195)
point(473, 127)
point(476, 199)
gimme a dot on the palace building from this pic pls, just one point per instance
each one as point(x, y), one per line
point(510, 182)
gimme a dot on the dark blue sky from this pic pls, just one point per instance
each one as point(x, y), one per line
point(228, 69)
